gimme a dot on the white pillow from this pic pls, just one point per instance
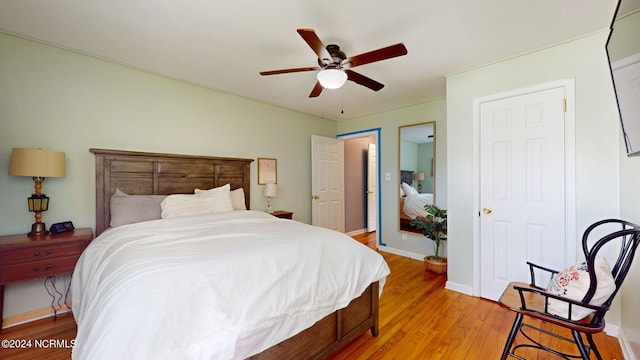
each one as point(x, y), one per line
point(574, 283)
point(214, 201)
point(402, 194)
point(409, 190)
point(130, 209)
point(237, 197)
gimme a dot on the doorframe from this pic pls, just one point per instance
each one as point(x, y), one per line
point(570, 163)
point(375, 132)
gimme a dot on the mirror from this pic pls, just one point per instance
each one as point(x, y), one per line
point(416, 162)
point(623, 50)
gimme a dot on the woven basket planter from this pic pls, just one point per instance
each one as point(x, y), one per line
point(438, 267)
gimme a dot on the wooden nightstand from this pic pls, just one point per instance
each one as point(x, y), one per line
point(22, 258)
point(282, 214)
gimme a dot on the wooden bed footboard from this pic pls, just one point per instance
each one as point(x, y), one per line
point(332, 332)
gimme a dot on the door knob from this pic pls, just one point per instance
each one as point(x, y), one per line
point(315, 197)
point(487, 210)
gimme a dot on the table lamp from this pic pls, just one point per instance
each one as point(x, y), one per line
point(419, 176)
point(270, 191)
point(38, 164)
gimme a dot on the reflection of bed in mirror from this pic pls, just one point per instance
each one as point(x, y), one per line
point(416, 149)
point(412, 205)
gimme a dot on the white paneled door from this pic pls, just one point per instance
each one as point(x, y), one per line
point(327, 182)
point(522, 187)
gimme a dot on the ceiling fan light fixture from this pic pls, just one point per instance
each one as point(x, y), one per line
point(332, 78)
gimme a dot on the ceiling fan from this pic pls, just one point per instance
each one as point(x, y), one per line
point(335, 66)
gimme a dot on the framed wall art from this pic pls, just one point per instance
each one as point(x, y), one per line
point(267, 171)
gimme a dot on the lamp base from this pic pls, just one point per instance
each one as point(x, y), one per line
point(38, 229)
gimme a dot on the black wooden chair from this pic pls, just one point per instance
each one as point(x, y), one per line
point(532, 300)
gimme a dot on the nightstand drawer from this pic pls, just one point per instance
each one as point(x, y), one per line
point(24, 258)
point(37, 253)
point(43, 268)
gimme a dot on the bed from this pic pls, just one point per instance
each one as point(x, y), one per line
point(412, 205)
point(134, 297)
point(413, 202)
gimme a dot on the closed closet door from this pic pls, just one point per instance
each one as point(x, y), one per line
point(522, 187)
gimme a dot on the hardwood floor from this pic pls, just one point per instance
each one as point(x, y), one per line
point(419, 319)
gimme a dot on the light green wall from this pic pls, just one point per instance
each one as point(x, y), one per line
point(424, 165)
point(61, 100)
point(417, 158)
point(597, 167)
point(388, 122)
point(624, 41)
point(628, 29)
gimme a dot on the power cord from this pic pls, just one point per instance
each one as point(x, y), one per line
point(50, 286)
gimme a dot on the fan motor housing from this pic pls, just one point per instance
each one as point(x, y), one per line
point(337, 57)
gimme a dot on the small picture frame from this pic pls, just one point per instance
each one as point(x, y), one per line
point(267, 171)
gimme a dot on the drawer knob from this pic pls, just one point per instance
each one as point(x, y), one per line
point(37, 268)
point(37, 253)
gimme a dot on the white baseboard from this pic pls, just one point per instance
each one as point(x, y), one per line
point(33, 315)
point(627, 351)
point(464, 289)
point(612, 329)
point(357, 232)
point(408, 254)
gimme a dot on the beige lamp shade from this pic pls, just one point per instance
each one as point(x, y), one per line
point(36, 163)
point(271, 190)
point(418, 176)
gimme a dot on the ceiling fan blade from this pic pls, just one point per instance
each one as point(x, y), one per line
point(363, 80)
point(285, 71)
point(316, 90)
point(376, 55)
point(314, 42)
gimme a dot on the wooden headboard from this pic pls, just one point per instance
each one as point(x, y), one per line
point(143, 173)
point(406, 176)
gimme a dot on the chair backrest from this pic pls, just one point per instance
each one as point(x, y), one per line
point(626, 241)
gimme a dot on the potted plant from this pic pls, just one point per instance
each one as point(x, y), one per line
point(434, 227)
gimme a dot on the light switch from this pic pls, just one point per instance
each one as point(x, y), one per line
point(387, 176)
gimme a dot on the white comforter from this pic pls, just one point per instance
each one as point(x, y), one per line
point(414, 204)
point(222, 286)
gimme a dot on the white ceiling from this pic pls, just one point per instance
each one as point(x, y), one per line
point(225, 44)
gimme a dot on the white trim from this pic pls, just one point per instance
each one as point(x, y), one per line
point(407, 254)
point(461, 288)
point(625, 345)
point(357, 232)
point(376, 133)
point(612, 329)
point(619, 64)
point(30, 316)
point(570, 178)
point(464, 289)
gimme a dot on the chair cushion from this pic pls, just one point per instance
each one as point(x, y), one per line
point(574, 283)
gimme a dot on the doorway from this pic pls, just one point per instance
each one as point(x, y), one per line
point(525, 184)
point(362, 176)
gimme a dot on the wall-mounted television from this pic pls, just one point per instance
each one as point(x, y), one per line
point(623, 50)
